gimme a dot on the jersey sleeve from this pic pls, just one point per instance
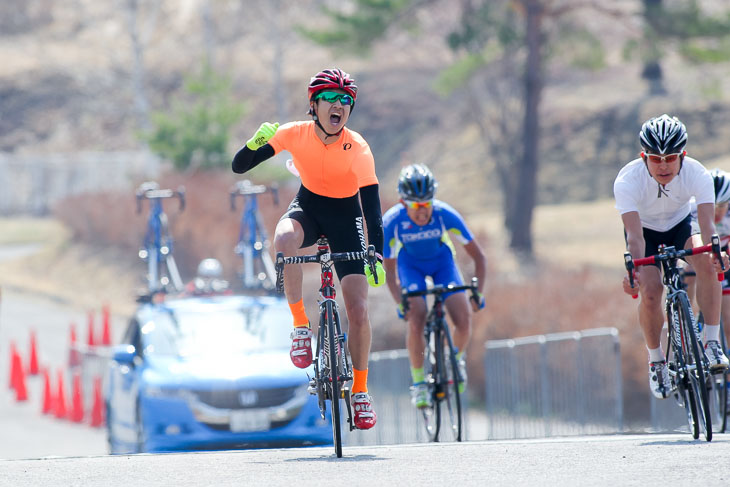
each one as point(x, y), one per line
point(364, 165)
point(704, 187)
point(284, 137)
point(625, 197)
point(390, 247)
point(455, 224)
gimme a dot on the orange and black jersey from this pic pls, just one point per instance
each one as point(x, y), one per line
point(334, 171)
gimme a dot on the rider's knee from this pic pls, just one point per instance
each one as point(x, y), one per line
point(286, 242)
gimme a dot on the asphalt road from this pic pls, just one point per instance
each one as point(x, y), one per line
point(604, 460)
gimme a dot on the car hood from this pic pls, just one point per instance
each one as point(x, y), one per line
point(272, 369)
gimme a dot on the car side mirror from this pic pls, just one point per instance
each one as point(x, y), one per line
point(124, 354)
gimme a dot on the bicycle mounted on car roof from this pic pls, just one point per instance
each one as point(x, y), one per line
point(253, 244)
point(332, 366)
point(686, 361)
point(157, 246)
point(441, 369)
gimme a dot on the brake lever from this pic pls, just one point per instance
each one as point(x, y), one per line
point(629, 262)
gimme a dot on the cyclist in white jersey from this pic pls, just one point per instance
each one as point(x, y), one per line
point(722, 224)
point(653, 196)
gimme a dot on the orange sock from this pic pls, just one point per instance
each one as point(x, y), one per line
point(359, 380)
point(299, 314)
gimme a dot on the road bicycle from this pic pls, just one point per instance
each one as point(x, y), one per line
point(686, 361)
point(162, 272)
point(717, 387)
point(332, 365)
point(253, 244)
point(440, 365)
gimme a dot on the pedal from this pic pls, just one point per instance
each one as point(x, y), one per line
point(345, 393)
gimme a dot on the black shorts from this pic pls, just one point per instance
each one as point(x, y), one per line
point(338, 219)
point(676, 236)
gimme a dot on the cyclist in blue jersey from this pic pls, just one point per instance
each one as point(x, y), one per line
point(417, 243)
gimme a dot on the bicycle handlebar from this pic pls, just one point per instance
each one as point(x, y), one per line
point(670, 253)
point(439, 289)
point(245, 188)
point(151, 191)
point(369, 256)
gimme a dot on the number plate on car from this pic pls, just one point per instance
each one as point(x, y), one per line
point(250, 420)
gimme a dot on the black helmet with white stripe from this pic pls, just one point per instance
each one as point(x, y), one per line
point(663, 135)
point(416, 183)
point(722, 185)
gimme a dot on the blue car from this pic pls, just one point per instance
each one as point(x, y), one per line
point(208, 373)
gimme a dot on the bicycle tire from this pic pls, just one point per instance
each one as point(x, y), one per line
point(676, 364)
point(334, 383)
point(453, 396)
point(431, 415)
point(695, 356)
point(723, 385)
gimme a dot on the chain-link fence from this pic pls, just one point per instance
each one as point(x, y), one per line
point(31, 184)
point(555, 384)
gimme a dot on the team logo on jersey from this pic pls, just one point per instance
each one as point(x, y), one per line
point(406, 225)
point(424, 235)
point(346, 146)
point(413, 287)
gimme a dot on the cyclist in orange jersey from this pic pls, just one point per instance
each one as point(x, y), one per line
point(337, 171)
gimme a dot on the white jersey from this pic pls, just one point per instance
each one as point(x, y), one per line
point(662, 207)
point(722, 227)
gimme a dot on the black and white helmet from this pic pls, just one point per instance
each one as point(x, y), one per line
point(722, 185)
point(663, 135)
point(416, 183)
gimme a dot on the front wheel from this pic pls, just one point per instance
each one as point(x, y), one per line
point(431, 415)
point(694, 358)
point(334, 382)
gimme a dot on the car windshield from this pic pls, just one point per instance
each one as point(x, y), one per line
point(214, 331)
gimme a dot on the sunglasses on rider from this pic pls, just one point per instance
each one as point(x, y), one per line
point(414, 205)
point(332, 97)
point(668, 158)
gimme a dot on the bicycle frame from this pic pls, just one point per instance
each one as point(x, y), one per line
point(332, 367)
point(157, 245)
point(253, 242)
point(443, 374)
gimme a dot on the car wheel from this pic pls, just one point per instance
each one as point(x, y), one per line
point(139, 424)
point(109, 436)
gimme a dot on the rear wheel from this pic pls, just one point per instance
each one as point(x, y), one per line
point(694, 357)
point(722, 383)
point(452, 396)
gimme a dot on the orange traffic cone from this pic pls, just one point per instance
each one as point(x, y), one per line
point(74, 358)
point(13, 362)
point(77, 405)
point(105, 332)
point(91, 341)
point(21, 392)
point(60, 398)
point(97, 411)
point(33, 365)
point(47, 394)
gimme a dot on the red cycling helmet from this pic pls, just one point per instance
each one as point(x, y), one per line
point(333, 78)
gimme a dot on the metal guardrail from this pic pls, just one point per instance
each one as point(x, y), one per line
point(555, 384)
point(389, 381)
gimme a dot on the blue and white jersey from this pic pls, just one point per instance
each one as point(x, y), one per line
point(427, 241)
